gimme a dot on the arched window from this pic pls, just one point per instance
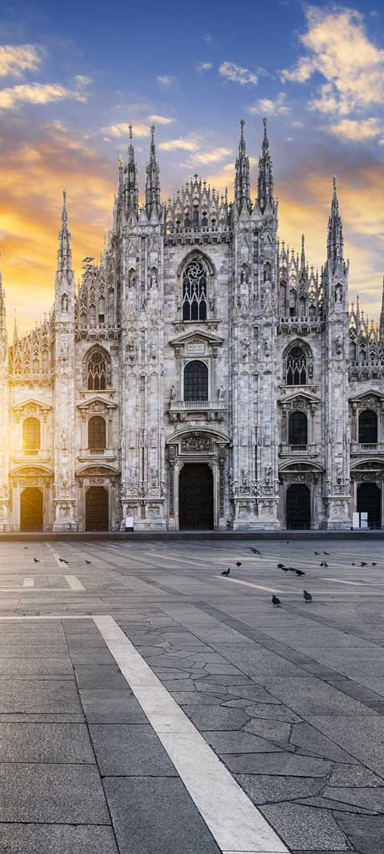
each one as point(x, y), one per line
point(96, 371)
point(296, 367)
point(298, 428)
point(195, 291)
point(196, 381)
point(368, 427)
point(96, 434)
point(31, 435)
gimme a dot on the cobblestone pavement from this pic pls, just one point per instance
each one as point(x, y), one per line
point(111, 728)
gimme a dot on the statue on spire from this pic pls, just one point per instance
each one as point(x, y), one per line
point(242, 179)
point(265, 180)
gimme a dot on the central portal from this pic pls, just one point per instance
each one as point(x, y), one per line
point(196, 497)
point(31, 509)
point(298, 506)
point(96, 509)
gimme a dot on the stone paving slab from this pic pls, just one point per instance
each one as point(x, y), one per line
point(130, 750)
point(65, 794)
point(45, 742)
point(34, 696)
point(56, 839)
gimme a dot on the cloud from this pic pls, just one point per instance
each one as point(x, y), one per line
point(164, 79)
point(212, 156)
point(339, 49)
point(15, 59)
point(175, 144)
point(204, 66)
point(207, 38)
point(237, 74)
point(37, 93)
point(160, 120)
point(268, 107)
point(122, 129)
point(356, 130)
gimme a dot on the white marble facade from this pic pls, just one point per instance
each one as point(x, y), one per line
point(202, 375)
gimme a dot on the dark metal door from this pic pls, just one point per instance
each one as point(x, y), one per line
point(31, 509)
point(298, 506)
point(96, 504)
point(369, 501)
point(196, 497)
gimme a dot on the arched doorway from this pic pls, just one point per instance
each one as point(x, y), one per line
point(96, 509)
point(298, 506)
point(31, 509)
point(369, 501)
point(196, 497)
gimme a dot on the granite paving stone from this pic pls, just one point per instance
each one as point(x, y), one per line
point(281, 764)
point(312, 741)
point(109, 707)
point(335, 806)
point(146, 810)
point(273, 712)
point(99, 676)
point(309, 696)
point(356, 775)
point(196, 698)
point(45, 742)
point(216, 717)
point(368, 798)
point(274, 730)
point(33, 696)
point(130, 750)
point(263, 788)
point(255, 693)
point(47, 666)
point(56, 839)
point(365, 833)
point(301, 826)
point(364, 739)
point(38, 793)
point(238, 742)
point(255, 660)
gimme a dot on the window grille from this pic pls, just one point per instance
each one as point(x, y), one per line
point(96, 434)
point(196, 381)
point(296, 367)
point(195, 292)
point(31, 435)
point(97, 372)
point(368, 427)
point(298, 429)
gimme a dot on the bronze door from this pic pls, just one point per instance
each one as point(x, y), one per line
point(298, 506)
point(369, 501)
point(196, 497)
point(96, 509)
point(31, 509)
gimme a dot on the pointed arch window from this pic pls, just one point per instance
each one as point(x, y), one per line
point(195, 291)
point(97, 434)
point(298, 429)
point(97, 371)
point(196, 381)
point(297, 367)
point(368, 427)
point(31, 435)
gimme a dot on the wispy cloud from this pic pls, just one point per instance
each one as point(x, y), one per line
point(356, 130)
point(338, 48)
point(122, 129)
point(204, 66)
point(237, 74)
point(160, 120)
point(37, 93)
point(176, 144)
point(212, 156)
point(16, 59)
point(165, 79)
point(270, 107)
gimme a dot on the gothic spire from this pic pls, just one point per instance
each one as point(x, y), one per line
point(381, 324)
point(152, 186)
point(302, 257)
point(335, 232)
point(131, 187)
point(64, 255)
point(265, 181)
point(242, 182)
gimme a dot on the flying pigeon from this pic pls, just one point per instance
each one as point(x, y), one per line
point(255, 551)
point(87, 561)
point(307, 596)
point(226, 571)
point(238, 563)
point(363, 563)
point(275, 601)
point(36, 560)
point(299, 572)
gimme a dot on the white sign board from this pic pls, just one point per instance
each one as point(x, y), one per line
point(128, 522)
point(356, 520)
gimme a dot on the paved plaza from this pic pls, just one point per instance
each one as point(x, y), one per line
point(150, 705)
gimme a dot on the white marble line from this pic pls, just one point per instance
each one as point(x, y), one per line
point(250, 584)
point(353, 583)
point(74, 582)
point(29, 582)
point(236, 824)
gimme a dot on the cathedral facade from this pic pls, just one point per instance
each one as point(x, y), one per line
point(202, 375)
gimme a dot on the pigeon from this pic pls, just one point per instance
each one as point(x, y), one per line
point(36, 560)
point(285, 569)
point(87, 561)
point(363, 563)
point(25, 547)
point(281, 566)
point(226, 571)
point(62, 559)
point(307, 596)
point(316, 553)
point(374, 564)
point(238, 563)
point(255, 551)
point(323, 563)
point(299, 572)
point(275, 601)
point(326, 553)
point(353, 564)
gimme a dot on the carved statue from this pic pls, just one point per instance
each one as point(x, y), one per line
point(172, 393)
point(220, 393)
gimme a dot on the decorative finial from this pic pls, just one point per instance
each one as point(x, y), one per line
point(130, 131)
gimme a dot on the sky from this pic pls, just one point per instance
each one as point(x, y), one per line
point(74, 75)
